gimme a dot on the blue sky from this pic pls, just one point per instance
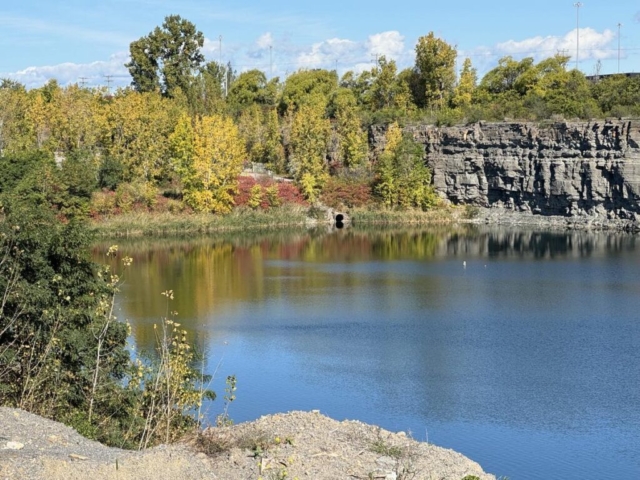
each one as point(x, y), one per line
point(70, 39)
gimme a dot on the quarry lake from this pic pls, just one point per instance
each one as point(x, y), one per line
point(519, 349)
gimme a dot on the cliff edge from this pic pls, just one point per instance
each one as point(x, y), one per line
point(567, 169)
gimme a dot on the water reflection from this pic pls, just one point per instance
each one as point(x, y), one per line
point(534, 344)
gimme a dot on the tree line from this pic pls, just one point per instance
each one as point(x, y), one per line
point(187, 127)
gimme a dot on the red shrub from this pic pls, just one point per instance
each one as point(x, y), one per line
point(288, 193)
point(340, 193)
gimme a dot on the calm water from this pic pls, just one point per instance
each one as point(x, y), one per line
point(527, 360)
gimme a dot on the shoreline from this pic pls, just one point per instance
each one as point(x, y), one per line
point(149, 224)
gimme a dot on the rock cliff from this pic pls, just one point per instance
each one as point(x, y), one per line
point(589, 169)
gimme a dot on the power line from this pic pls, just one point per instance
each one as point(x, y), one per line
point(619, 27)
point(374, 58)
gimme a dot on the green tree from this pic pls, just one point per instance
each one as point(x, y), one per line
point(206, 93)
point(307, 86)
point(251, 88)
point(387, 89)
point(435, 67)
point(617, 95)
point(167, 58)
point(510, 75)
point(260, 129)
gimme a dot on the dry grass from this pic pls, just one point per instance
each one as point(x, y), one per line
point(166, 223)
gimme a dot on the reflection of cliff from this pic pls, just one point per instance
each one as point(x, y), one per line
point(506, 242)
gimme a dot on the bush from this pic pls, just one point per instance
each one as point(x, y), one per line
point(449, 117)
point(343, 193)
point(288, 193)
point(63, 353)
point(138, 195)
point(103, 203)
point(266, 193)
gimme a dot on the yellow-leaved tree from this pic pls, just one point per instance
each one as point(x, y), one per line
point(402, 178)
point(310, 132)
point(351, 136)
point(138, 126)
point(466, 87)
point(14, 128)
point(208, 154)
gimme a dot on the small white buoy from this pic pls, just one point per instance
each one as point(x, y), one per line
point(464, 264)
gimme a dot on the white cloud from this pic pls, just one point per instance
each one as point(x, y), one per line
point(593, 45)
point(353, 55)
point(327, 53)
point(94, 73)
point(265, 41)
point(389, 44)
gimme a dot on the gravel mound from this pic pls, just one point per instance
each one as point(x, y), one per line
point(306, 445)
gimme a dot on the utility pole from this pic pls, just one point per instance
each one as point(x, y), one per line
point(619, 27)
point(374, 57)
point(108, 77)
point(597, 69)
point(577, 5)
point(83, 81)
point(220, 62)
point(270, 61)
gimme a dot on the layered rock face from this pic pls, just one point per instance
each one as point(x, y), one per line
point(567, 169)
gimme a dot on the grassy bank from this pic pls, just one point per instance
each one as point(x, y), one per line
point(171, 224)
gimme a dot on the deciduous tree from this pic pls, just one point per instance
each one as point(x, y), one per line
point(465, 89)
point(310, 132)
point(435, 66)
point(208, 155)
point(167, 58)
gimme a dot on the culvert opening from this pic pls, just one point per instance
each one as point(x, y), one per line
point(339, 218)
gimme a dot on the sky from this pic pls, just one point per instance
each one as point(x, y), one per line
point(87, 41)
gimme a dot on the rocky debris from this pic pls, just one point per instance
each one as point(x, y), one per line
point(53, 451)
point(308, 445)
point(567, 169)
point(297, 444)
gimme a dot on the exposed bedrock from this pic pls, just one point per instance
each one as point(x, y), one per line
point(587, 169)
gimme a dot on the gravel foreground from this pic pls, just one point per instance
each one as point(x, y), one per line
point(303, 445)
